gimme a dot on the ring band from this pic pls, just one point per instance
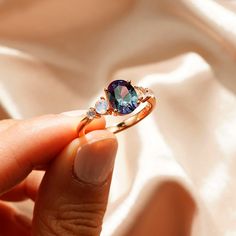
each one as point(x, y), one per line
point(121, 98)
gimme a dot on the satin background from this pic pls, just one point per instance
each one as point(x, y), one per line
point(175, 170)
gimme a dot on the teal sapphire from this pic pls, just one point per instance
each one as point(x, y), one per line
point(122, 96)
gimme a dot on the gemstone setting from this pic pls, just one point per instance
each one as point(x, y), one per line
point(101, 106)
point(122, 96)
point(144, 93)
point(91, 113)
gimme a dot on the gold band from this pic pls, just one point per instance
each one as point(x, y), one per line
point(149, 102)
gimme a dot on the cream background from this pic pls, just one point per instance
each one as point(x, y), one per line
point(175, 170)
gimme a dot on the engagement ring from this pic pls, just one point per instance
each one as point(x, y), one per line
point(121, 99)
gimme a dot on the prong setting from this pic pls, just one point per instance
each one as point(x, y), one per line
point(91, 113)
point(104, 106)
point(121, 98)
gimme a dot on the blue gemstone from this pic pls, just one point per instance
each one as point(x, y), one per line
point(122, 96)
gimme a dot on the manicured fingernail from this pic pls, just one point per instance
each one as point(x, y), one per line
point(94, 160)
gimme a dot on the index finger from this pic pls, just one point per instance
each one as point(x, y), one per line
point(31, 143)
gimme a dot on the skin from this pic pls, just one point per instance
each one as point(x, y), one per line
point(64, 204)
point(73, 53)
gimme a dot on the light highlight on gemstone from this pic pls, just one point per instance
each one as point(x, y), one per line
point(122, 96)
point(101, 106)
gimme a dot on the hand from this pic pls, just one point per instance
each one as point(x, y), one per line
point(72, 197)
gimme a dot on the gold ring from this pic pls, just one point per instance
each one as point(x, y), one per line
point(121, 99)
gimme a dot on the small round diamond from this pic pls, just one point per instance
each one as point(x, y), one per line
point(148, 92)
point(144, 93)
point(91, 113)
point(101, 106)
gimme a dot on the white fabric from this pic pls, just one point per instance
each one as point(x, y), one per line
point(175, 170)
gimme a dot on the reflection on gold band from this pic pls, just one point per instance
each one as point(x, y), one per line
point(148, 103)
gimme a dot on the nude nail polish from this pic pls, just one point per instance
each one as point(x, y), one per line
point(94, 160)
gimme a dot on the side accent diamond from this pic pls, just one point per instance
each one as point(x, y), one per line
point(91, 113)
point(101, 106)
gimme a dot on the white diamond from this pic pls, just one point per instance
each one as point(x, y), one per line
point(148, 92)
point(91, 113)
point(101, 106)
point(144, 93)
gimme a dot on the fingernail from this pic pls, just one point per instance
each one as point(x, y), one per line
point(94, 160)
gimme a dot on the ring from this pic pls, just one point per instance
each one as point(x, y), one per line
point(121, 99)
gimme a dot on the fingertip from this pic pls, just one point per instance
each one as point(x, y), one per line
point(95, 157)
point(96, 124)
point(79, 182)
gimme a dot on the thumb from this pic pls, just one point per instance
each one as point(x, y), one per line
point(73, 195)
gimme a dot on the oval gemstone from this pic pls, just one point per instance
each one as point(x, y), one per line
point(122, 96)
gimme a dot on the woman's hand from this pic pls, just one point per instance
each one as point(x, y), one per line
point(72, 197)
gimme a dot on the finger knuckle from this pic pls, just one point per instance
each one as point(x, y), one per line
point(74, 219)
